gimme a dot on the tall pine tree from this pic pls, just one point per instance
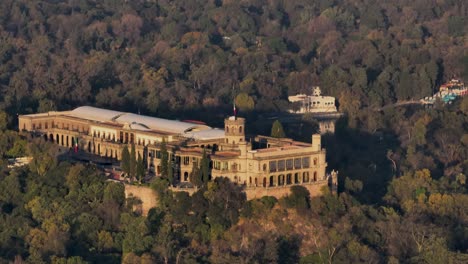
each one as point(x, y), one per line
point(205, 167)
point(140, 169)
point(170, 172)
point(133, 163)
point(164, 159)
point(125, 162)
point(196, 175)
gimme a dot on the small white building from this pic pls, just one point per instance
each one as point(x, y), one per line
point(315, 103)
point(19, 162)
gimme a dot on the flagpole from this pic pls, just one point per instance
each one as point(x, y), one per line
point(234, 109)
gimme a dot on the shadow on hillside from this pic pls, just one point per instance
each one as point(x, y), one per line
point(361, 156)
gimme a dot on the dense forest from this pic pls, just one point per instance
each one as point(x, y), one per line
point(402, 171)
point(160, 57)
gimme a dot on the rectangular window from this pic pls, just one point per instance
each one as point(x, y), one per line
point(225, 165)
point(297, 163)
point(289, 164)
point(186, 160)
point(273, 166)
point(158, 154)
point(281, 164)
point(306, 162)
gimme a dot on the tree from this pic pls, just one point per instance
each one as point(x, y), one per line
point(277, 130)
point(299, 198)
point(196, 175)
point(245, 102)
point(225, 200)
point(164, 159)
point(133, 163)
point(205, 167)
point(3, 121)
point(125, 162)
point(419, 132)
point(105, 241)
point(136, 237)
point(167, 242)
point(464, 105)
point(44, 156)
point(170, 171)
point(140, 169)
point(115, 192)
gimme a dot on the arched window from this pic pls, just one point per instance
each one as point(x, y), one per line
point(264, 167)
point(227, 129)
point(305, 177)
point(240, 129)
point(315, 161)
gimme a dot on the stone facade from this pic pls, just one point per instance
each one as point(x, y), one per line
point(259, 163)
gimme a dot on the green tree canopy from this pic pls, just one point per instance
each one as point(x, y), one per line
point(277, 130)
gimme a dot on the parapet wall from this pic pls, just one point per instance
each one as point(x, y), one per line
point(315, 189)
point(149, 198)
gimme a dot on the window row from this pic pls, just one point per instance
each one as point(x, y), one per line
point(220, 165)
point(233, 129)
point(66, 126)
point(289, 164)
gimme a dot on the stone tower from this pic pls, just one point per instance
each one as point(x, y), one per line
point(316, 142)
point(234, 130)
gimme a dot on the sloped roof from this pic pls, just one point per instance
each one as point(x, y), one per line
point(147, 123)
point(94, 113)
point(207, 134)
point(160, 124)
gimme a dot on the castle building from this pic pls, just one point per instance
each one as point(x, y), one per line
point(315, 103)
point(262, 164)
